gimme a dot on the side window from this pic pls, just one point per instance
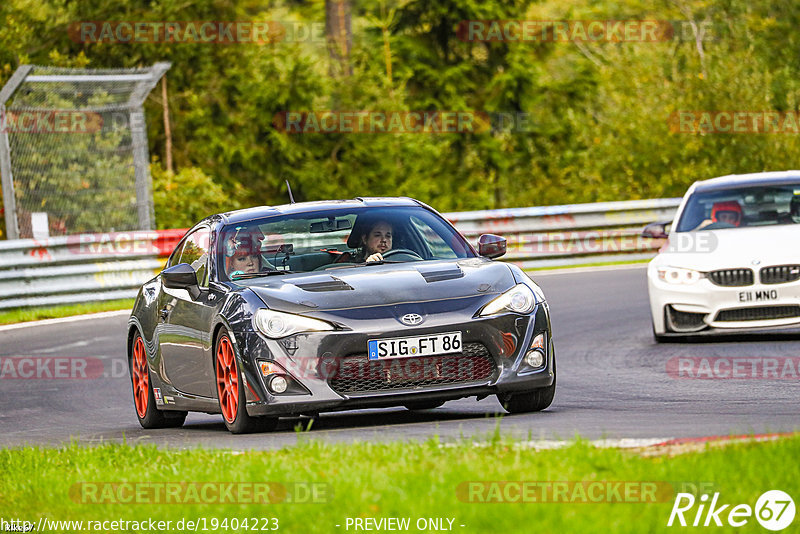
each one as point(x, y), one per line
point(195, 253)
point(175, 257)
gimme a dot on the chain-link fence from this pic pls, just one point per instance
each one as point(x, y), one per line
point(73, 150)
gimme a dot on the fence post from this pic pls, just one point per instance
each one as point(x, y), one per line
point(141, 157)
point(9, 200)
point(141, 170)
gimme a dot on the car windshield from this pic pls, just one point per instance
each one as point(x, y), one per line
point(741, 207)
point(336, 239)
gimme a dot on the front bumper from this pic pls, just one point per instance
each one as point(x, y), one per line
point(319, 365)
point(699, 307)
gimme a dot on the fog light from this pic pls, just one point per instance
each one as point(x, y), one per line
point(534, 358)
point(278, 384)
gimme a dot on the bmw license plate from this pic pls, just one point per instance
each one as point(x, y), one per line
point(409, 347)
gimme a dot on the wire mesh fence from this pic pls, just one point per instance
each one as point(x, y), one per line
point(73, 150)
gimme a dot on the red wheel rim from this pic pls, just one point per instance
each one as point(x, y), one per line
point(141, 379)
point(227, 380)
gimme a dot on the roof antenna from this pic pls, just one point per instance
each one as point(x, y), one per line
point(289, 187)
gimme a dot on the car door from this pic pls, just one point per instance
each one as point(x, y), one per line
point(185, 338)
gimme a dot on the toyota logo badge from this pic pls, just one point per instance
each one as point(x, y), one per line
point(411, 319)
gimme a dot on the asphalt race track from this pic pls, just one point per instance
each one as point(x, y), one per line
point(612, 383)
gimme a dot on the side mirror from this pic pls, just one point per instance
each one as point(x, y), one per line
point(491, 246)
point(656, 230)
point(181, 276)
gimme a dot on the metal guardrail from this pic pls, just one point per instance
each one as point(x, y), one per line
point(81, 268)
point(551, 236)
point(95, 267)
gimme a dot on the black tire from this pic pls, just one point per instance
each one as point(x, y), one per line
point(535, 400)
point(422, 405)
point(144, 400)
point(230, 391)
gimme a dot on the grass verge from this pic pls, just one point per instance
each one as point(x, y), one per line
point(401, 480)
point(19, 315)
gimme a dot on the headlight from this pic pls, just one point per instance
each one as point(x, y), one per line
point(276, 324)
point(677, 275)
point(518, 299)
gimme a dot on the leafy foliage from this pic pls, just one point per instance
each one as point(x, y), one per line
point(598, 112)
point(181, 199)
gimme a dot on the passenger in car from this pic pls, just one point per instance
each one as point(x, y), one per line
point(243, 253)
point(244, 262)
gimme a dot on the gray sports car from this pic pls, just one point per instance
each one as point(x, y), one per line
point(339, 305)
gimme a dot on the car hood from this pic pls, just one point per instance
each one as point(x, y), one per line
point(731, 248)
point(382, 285)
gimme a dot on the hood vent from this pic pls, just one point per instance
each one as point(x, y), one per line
point(449, 273)
point(331, 284)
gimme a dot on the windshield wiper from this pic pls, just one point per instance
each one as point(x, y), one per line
point(379, 262)
point(244, 276)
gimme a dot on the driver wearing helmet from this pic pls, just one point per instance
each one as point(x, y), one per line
point(728, 212)
point(724, 214)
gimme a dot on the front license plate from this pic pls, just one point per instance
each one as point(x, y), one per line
point(765, 295)
point(410, 347)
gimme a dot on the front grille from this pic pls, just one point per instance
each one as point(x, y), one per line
point(780, 274)
point(685, 321)
point(732, 277)
point(357, 373)
point(760, 313)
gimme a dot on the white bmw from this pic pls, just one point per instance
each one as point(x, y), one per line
point(732, 260)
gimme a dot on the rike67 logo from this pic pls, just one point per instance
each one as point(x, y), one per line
point(774, 510)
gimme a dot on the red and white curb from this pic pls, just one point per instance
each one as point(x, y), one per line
point(644, 443)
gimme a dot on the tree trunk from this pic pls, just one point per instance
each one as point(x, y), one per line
point(339, 36)
point(167, 128)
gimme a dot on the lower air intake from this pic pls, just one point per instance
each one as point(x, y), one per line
point(679, 321)
point(760, 313)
